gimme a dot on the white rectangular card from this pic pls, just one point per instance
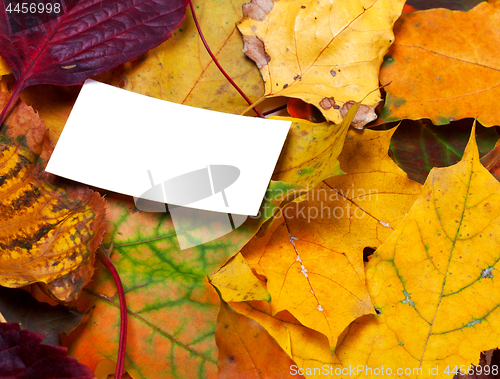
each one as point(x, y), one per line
point(126, 142)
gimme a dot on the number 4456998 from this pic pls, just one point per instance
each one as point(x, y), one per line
point(472, 370)
point(33, 8)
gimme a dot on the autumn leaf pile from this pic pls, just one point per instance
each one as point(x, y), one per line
point(376, 247)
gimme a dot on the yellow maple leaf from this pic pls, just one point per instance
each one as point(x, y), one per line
point(312, 255)
point(327, 53)
point(236, 282)
point(48, 232)
point(444, 73)
point(308, 276)
point(434, 282)
point(311, 150)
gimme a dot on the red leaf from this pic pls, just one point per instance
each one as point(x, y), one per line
point(300, 109)
point(22, 356)
point(87, 38)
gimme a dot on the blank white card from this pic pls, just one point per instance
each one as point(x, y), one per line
point(128, 143)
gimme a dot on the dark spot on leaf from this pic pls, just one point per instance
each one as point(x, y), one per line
point(123, 83)
point(231, 359)
point(327, 103)
point(28, 242)
point(286, 85)
point(226, 326)
point(254, 49)
point(303, 7)
point(486, 273)
point(388, 60)
point(378, 311)
point(26, 200)
point(333, 72)
point(367, 251)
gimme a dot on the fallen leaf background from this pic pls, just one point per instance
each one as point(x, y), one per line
point(341, 62)
point(423, 322)
point(172, 307)
point(19, 306)
point(83, 39)
point(22, 355)
point(48, 231)
point(353, 260)
point(418, 146)
point(436, 73)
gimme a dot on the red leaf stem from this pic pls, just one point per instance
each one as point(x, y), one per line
point(217, 62)
point(120, 362)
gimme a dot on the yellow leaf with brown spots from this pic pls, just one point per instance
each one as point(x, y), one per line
point(327, 53)
point(435, 281)
point(312, 255)
point(48, 232)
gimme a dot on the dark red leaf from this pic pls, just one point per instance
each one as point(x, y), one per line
point(458, 5)
point(87, 38)
point(22, 356)
point(19, 306)
point(418, 146)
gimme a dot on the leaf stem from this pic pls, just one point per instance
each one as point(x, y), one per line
point(217, 62)
point(120, 362)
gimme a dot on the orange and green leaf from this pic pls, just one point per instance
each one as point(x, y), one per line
point(172, 307)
